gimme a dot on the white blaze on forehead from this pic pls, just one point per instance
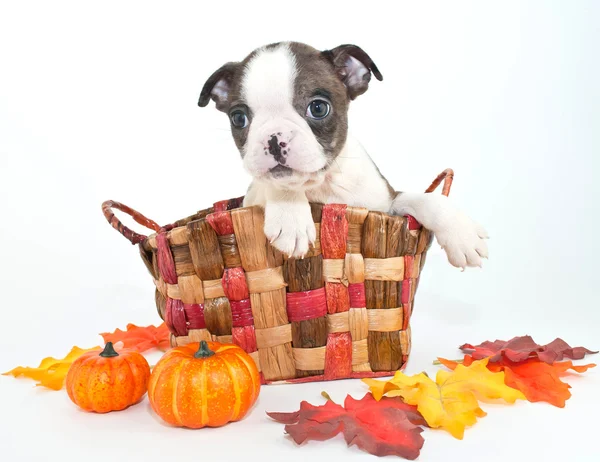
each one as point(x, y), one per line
point(268, 80)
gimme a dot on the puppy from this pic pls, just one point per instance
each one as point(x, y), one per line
point(288, 108)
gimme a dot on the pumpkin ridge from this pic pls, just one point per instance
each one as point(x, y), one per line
point(203, 397)
point(132, 376)
point(176, 379)
point(233, 376)
point(89, 370)
point(250, 372)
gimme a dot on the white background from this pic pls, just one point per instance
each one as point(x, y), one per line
point(98, 101)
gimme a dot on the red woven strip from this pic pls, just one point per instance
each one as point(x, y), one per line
point(245, 338)
point(406, 312)
point(175, 317)
point(306, 305)
point(406, 288)
point(235, 203)
point(220, 206)
point(234, 284)
point(241, 313)
point(166, 265)
point(194, 314)
point(413, 223)
point(357, 295)
point(221, 222)
point(409, 261)
point(334, 231)
point(338, 356)
point(338, 299)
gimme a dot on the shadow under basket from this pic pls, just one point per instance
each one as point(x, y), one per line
point(341, 312)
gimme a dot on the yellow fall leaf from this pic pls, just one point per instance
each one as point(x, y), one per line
point(51, 372)
point(451, 401)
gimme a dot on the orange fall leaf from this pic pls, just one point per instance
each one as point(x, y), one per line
point(537, 380)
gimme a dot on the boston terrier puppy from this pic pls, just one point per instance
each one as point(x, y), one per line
point(288, 108)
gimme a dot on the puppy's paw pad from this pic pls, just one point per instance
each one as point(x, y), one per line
point(290, 229)
point(460, 237)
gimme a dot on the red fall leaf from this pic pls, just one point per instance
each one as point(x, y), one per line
point(537, 380)
point(140, 338)
point(521, 348)
point(386, 427)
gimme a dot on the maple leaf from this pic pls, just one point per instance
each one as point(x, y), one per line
point(51, 372)
point(537, 380)
point(386, 427)
point(140, 338)
point(520, 348)
point(451, 401)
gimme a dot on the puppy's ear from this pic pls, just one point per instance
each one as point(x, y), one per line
point(218, 86)
point(353, 67)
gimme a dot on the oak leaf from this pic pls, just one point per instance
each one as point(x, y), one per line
point(537, 380)
point(451, 401)
point(140, 338)
point(385, 427)
point(51, 372)
point(520, 348)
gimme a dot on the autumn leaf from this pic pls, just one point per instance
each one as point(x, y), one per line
point(140, 338)
point(520, 348)
point(51, 372)
point(386, 427)
point(537, 380)
point(451, 401)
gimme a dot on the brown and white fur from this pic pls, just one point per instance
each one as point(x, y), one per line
point(295, 158)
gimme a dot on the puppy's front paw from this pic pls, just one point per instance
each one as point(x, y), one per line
point(463, 240)
point(289, 227)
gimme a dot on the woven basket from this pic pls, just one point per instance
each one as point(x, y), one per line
point(341, 312)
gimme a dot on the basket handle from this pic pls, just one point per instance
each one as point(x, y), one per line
point(446, 176)
point(132, 236)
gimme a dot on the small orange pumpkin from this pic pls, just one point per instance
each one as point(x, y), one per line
point(108, 381)
point(204, 385)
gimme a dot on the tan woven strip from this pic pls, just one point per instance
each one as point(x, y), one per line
point(358, 323)
point(223, 338)
point(173, 291)
point(265, 280)
point(384, 269)
point(355, 268)
point(416, 266)
point(273, 336)
point(178, 236)
point(213, 289)
point(151, 242)
point(197, 335)
point(254, 356)
point(161, 286)
point(338, 322)
point(333, 270)
point(385, 320)
point(365, 367)
point(405, 341)
point(360, 352)
point(309, 359)
point(190, 288)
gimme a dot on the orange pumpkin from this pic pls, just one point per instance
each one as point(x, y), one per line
point(108, 381)
point(204, 385)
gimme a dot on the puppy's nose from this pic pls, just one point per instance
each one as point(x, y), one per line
point(278, 147)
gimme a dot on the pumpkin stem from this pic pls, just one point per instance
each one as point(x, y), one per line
point(109, 351)
point(203, 351)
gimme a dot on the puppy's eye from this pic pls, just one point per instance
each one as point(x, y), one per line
point(239, 119)
point(318, 109)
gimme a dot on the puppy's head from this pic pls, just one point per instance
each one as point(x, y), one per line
point(288, 105)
